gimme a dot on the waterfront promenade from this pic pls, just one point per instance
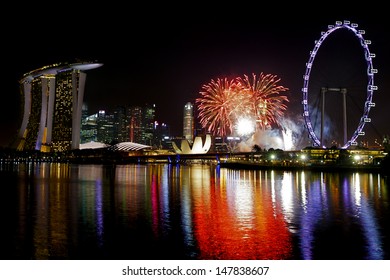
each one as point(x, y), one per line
point(323, 160)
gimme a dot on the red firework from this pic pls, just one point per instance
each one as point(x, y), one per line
point(223, 101)
point(216, 106)
point(266, 103)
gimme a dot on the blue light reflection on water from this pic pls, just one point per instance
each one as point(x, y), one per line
point(164, 211)
point(368, 219)
point(310, 216)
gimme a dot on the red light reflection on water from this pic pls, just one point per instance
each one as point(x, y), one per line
point(239, 222)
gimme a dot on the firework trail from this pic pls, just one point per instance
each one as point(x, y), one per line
point(223, 102)
point(267, 106)
point(219, 105)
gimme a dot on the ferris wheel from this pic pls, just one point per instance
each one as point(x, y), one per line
point(364, 118)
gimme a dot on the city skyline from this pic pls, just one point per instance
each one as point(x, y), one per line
point(168, 64)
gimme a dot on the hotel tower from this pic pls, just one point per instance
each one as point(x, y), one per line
point(52, 99)
point(188, 122)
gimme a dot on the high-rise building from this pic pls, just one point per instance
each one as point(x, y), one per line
point(134, 115)
point(148, 118)
point(105, 127)
point(188, 122)
point(52, 107)
point(162, 138)
point(88, 131)
point(121, 125)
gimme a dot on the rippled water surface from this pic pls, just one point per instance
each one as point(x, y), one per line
point(162, 211)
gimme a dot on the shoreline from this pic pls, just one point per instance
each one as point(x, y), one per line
point(312, 167)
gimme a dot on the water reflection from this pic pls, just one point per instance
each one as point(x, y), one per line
point(237, 219)
point(191, 212)
point(339, 220)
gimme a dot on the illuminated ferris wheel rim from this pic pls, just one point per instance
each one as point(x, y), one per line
point(370, 86)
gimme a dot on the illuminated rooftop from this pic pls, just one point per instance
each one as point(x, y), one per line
point(129, 146)
point(53, 69)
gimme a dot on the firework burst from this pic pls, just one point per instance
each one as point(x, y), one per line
point(223, 102)
point(266, 104)
point(218, 105)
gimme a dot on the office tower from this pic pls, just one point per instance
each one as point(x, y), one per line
point(134, 115)
point(105, 127)
point(88, 131)
point(121, 125)
point(162, 139)
point(148, 119)
point(52, 106)
point(188, 122)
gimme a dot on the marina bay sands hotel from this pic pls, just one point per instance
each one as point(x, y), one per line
point(52, 103)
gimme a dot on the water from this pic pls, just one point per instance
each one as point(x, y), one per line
point(162, 211)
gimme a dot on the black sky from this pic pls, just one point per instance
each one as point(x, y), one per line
point(165, 57)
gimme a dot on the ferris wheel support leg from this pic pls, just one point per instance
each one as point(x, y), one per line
point(323, 91)
point(344, 92)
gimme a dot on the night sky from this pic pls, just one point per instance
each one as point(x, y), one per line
point(164, 58)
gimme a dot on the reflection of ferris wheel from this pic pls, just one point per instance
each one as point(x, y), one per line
point(370, 86)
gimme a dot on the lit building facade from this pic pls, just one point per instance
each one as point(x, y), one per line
point(52, 107)
point(105, 127)
point(188, 122)
point(148, 122)
point(121, 125)
point(134, 115)
point(89, 127)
